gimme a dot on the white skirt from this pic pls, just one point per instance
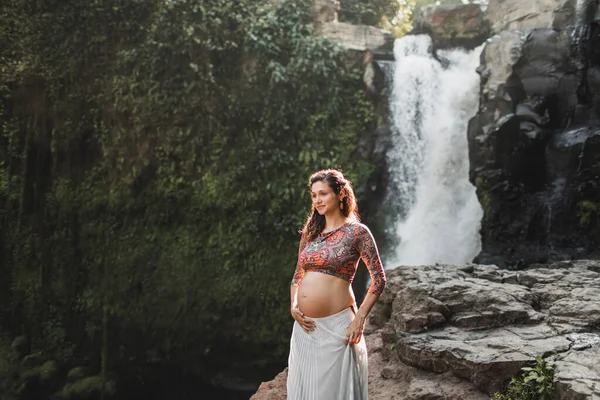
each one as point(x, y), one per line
point(321, 366)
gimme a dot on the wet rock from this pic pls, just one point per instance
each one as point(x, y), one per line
point(543, 61)
point(533, 146)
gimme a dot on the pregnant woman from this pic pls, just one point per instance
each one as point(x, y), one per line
point(328, 355)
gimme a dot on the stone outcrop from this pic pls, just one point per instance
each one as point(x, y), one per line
point(534, 145)
point(494, 321)
point(537, 57)
point(519, 15)
point(359, 38)
point(453, 25)
point(447, 332)
point(578, 372)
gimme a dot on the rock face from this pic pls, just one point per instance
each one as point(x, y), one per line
point(520, 15)
point(535, 144)
point(453, 25)
point(359, 38)
point(575, 370)
point(446, 332)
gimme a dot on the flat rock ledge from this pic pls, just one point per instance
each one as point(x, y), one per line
point(461, 332)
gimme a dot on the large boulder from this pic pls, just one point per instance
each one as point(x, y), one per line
point(453, 25)
point(523, 63)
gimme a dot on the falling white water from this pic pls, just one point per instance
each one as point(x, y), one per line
point(431, 104)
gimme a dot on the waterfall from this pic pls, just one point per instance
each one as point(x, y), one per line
point(437, 215)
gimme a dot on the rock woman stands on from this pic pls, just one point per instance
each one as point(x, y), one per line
point(328, 355)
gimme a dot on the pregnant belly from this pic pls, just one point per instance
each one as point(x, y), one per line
point(321, 295)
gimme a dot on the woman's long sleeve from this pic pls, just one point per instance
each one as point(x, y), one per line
point(370, 255)
point(299, 272)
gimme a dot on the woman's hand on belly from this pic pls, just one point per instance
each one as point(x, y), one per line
point(305, 323)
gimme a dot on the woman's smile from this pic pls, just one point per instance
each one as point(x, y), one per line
point(323, 197)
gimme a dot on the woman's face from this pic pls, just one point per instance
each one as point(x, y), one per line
point(324, 199)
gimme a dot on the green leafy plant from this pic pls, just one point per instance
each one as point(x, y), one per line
point(534, 383)
point(587, 211)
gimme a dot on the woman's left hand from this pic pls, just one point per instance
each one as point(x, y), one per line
point(355, 330)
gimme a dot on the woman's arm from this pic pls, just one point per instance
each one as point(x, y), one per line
point(365, 308)
point(299, 272)
point(294, 296)
point(370, 255)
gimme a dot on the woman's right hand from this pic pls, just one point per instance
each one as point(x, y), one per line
point(305, 323)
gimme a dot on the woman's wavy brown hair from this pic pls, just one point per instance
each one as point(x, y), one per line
point(315, 222)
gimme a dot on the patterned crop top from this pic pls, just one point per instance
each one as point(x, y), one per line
point(337, 253)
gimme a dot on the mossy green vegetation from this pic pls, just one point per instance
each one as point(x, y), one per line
point(153, 163)
point(485, 196)
point(587, 212)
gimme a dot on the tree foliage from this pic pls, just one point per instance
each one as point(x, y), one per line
point(153, 159)
point(371, 12)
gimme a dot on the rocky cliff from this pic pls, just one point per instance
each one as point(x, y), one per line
point(535, 143)
point(446, 332)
